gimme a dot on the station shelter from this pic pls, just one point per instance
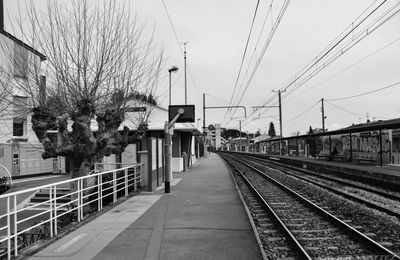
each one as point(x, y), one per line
point(150, 149)
point(375, 143)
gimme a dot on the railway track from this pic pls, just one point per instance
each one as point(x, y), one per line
point(290, 225)
point(373, 197)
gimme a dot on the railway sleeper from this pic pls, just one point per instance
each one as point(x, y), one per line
point(270, 231)
point(266, 225)
point(327, 230)
point(322, 238)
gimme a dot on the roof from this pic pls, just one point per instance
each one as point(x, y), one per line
point(31, 49)
point(372, 126)
point(156, 122)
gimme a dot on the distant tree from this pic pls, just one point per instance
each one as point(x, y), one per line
point(257, 133)
point(295, 133)
point(310, 131)
point(271, 131)
point(232, 133)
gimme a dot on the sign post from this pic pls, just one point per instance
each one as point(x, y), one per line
point(137, 109)
point(176, 114)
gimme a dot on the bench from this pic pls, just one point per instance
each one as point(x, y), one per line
point(322, 156)
point(365, 159)
point(339, 157)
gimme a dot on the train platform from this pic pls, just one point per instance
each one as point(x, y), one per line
point(388, 174)
point(201, 218)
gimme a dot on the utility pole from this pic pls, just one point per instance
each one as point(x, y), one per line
point(240, 134)
point(323, 114)
point(168, 128)
point(280, 110)
point(280, 118)
point(204, 125)
point(184, 55)
point(204, 111)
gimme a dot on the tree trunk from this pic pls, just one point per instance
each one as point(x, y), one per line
point(82, 170)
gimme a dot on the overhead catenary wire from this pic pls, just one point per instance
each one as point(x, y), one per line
point(397, 84)
point(269, 14)
point(387, 15)
point(354, 25)
point(244, 55)
point(355, 39)
point(264, 49)
point(180, 48)
point(349, 67)
point(343, 109)
point(302, 113)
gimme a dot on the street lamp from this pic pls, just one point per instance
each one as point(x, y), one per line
point(172, 69)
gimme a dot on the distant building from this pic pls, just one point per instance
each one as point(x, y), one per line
point(214, 138)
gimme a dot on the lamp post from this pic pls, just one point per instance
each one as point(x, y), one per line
point(172, 69)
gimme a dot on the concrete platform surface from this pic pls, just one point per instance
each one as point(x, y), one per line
point(202, 218)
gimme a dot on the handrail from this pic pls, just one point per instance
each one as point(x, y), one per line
point(65, 181)
point(52, 209)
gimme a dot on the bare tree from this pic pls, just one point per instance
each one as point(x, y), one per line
point(97, 56)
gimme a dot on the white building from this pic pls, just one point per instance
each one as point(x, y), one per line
point(20, 150)
point(214, 137)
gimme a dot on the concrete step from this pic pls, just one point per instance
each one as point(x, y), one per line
point(43, 199)
point(44, 207)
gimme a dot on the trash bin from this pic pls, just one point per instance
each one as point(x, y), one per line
point(184, 156)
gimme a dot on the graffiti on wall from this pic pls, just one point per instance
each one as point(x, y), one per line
point(366, 142)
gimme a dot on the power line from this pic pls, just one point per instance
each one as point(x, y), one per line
point(299, 115)
point(349, 67)
point(387, 15)
point(218, 98)
point(269, 14)
point(366, 93)
point(353, 41)
point(266, 45)
point(180, 48)
point(343, 109)
point(172, 26)
point(244, 52)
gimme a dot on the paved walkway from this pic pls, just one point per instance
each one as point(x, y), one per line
point(202, 218)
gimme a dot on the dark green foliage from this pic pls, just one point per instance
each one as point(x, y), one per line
point(4, 186)
point(271, 131)
point(143, 97)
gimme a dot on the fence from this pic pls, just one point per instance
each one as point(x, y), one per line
point(20, 227)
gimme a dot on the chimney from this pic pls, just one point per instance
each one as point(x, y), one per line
point(1, 16)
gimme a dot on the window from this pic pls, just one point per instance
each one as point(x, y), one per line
point(18, 127)
point(20, 61)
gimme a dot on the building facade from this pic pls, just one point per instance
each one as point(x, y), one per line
point(20, 150)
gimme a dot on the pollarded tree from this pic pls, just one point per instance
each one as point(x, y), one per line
point(97, 56)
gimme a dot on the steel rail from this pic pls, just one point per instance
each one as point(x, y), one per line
point(341, 193)
point(366, 240)
point(298, 247)
point(354, 185)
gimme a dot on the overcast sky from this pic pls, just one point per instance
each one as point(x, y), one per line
point(217, 31)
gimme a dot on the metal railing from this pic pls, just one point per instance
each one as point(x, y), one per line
point(70, 199)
